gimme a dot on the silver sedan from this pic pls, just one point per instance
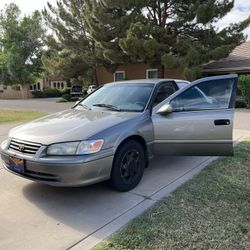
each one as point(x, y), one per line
point(114, 132)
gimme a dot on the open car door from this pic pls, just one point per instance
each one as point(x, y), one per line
point(197, 120)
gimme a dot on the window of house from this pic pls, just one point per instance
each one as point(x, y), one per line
point(54, 84)
point(119, 76)
point(152, 73)
point(38, 86)
point(62, 85)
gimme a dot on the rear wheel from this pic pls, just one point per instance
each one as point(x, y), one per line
point(128, 166)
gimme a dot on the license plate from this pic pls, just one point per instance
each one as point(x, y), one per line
point(16, 164)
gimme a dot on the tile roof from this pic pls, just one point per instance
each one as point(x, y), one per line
point(237, 61)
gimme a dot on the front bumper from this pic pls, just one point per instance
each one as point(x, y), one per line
point(64, 170)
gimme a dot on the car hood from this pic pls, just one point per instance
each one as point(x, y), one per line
point(69, 125)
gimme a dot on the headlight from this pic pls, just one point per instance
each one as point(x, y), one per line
point(4, 144)
point(75, 148)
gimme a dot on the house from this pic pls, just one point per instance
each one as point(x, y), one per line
point(53, 82)
point(24, 92)
point(134, 71)
point(237, 62)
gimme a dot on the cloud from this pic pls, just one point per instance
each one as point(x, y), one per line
point(27, 6)
point(239, 13)
point(243, 5)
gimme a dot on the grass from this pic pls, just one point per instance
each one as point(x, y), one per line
point(8, 116)
point(211, 211)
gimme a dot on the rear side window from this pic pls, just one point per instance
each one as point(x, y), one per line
point(165, 90)
point(214, 94)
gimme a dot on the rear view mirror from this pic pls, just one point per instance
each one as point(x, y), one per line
point(166, 108)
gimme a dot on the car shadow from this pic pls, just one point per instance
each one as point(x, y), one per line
point(83, 208)
point(89, 208)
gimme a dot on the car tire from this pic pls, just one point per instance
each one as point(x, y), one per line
point(128, 166)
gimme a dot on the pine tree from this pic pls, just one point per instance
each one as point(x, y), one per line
point(163, 33)
point(72, 51)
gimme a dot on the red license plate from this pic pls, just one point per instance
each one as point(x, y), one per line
point(16, 164)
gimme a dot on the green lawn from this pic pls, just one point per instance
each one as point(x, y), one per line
point(211, 211)
point(8, 116)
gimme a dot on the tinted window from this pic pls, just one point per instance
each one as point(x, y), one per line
point(164, 92)
point(206, 95)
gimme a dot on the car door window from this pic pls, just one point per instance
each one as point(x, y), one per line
point(164, 92)
point(209, 95)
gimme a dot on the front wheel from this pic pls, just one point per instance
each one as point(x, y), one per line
point(128, 166)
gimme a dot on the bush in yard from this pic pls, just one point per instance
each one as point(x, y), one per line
point(244, 86)
point(240, 104)
point(46, 93)
point(65, 91)
point(38, 94)
point(66, 97)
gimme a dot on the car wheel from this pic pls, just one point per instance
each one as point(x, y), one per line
point(128, 166)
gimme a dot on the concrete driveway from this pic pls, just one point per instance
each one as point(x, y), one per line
point(34, 216)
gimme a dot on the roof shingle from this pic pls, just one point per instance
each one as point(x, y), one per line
point(237, 61)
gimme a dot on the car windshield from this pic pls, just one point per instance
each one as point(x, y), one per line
point(120, 97)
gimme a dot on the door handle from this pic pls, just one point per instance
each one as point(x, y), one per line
point(222, 122)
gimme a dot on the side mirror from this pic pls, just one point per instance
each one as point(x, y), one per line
point(165, 109)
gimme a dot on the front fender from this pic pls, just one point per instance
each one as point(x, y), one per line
point(140, 125)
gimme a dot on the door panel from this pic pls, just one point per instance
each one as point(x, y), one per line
point(193, 133)
point(202, 121)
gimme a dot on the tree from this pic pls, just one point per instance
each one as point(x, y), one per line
point(163, 33)
point(20, 46)
point(244, 86)
point(72, 52)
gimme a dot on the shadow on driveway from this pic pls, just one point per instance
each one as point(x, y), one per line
point(84, 208)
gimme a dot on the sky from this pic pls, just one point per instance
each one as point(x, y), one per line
point(240, 11)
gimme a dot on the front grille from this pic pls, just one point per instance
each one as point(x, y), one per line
point(24, 147)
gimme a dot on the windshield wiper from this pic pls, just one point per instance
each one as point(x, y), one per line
point(109, 106)
point(84, 106)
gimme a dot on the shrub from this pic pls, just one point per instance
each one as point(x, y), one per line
point(240, 104)
point(38, 94)
point(46, 93)
point(65, 91)
point(66, 97)
point(244, 86)
point(74, 99)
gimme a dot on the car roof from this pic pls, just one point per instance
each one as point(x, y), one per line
point(151, 81)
